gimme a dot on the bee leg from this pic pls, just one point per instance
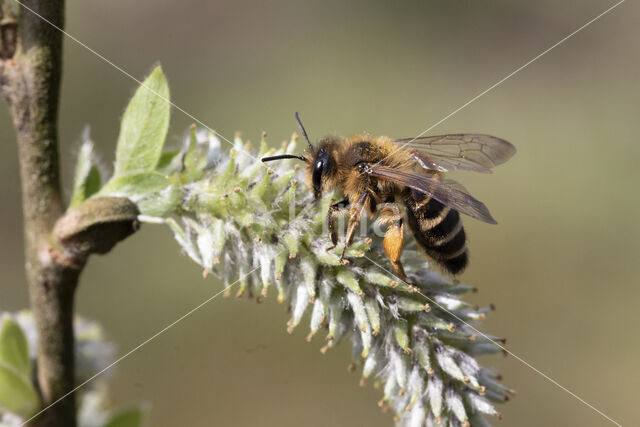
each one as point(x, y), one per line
point(334, 211)
point(354, 219)
point(393, 242)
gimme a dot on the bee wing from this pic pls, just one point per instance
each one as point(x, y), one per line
point(446, 191)
point(461, 151)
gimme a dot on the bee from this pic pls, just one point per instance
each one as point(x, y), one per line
point(380, 172)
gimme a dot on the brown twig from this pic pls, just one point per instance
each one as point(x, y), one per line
point(30, 71)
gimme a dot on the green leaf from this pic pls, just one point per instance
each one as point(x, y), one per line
point(87, 178)
point(14, 349)
point(159, 203)
point(17, 394)
point(167, 161)
point(191, 156)
point(194, 159)
point(132, 417)
point(144, 127)
point(135, 184)
point(93, 182)
point(153, 193)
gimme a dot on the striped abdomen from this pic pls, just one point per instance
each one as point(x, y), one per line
point(438, 229)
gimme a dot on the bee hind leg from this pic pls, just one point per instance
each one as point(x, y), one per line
point(393, 242)
point(355, 213)
point(334, 210)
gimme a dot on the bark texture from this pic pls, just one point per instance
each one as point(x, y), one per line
point(30, 73)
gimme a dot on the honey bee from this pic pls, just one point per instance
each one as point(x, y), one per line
point(375, 172)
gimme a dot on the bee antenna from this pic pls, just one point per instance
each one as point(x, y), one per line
point(283, 156)
point(304, 132)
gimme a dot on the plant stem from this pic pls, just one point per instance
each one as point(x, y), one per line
point(57, 244)
point(30, 71)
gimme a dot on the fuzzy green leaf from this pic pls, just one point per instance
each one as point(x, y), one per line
point(14, 349)
point(87, 179)
point(159, 203)
point(135, 184)
point(17, 394)
point(93, 183)
point(144, 127)
point(191, 159)
point(167, 158)
point(132, 417)
point(153, 192)
point(83, 166)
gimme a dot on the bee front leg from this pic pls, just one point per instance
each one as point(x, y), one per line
point(334, 210)
point(355, 213)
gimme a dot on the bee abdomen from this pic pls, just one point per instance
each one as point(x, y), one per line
point(438, 229)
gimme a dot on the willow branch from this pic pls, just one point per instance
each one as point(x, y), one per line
point(30, 71)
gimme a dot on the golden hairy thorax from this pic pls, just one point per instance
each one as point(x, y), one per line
point(358, 149)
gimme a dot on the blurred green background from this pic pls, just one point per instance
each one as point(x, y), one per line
point(561, 267)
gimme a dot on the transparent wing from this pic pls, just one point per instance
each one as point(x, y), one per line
point(460, 151)
point(446, 191)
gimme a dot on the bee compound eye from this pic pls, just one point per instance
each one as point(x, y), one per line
point(317, 175)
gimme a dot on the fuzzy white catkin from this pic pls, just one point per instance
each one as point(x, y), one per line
point(239, 214)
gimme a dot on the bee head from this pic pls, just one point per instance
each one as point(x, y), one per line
point(320, 164)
